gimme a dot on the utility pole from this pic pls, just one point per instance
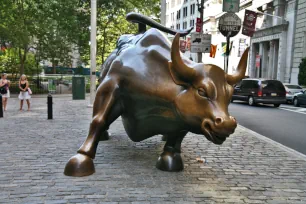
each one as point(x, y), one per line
point(201, 10)
point(93, 50)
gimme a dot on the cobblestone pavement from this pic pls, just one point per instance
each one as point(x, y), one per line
point(34, 151)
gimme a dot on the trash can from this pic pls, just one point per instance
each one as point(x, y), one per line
point(78, 88)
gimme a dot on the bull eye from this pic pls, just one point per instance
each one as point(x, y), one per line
point(202, 92)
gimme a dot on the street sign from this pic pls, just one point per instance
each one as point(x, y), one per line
point(199, 25)
point(231, 6)
point(249, 23)
point(241, 47)
point(229, 24)
point(200, 43)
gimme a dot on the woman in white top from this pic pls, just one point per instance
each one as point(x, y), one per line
point(4, 85)
point(24, 94)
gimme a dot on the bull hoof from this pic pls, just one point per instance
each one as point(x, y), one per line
point(104, 136)
point(170, 161)
point(79, 165)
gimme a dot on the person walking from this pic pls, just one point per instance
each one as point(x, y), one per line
point(24, 91)
point(4, 89)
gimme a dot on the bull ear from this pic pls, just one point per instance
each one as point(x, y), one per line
point(175, 76)
point(180, 72)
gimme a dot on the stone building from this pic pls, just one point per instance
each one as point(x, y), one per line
point(180, 15)
point(273, 42)
point(299, 40)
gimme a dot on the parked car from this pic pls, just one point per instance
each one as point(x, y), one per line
point(291, 89)
point(260, 91)
point(299, 98)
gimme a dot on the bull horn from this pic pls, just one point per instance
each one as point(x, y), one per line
point(240, 73)
point(184, 72)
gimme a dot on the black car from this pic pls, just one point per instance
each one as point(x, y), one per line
point(299, 98)
point(260, 91)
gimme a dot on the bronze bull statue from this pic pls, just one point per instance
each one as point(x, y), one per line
point(156, 90)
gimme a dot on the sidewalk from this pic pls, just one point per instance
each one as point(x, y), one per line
point(34, 151)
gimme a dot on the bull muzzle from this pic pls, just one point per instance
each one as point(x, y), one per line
point(218, 130)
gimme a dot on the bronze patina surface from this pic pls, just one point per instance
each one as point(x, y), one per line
point(156, 90)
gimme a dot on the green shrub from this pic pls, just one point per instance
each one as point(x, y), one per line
point(302, 72)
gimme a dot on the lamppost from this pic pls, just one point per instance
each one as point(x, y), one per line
point(200, 6)
point(37, 67)
point(93, 49)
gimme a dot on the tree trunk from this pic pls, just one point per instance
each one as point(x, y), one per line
point(22, 58)
point(53, 66)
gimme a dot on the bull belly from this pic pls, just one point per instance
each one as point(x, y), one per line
point(141, 128)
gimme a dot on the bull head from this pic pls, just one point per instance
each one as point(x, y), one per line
point(206, 91)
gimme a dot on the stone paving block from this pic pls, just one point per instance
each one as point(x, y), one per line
point(245, 169)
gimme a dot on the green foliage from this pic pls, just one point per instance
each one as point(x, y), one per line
point(111, 23)
point(50, 27)
point(54, 29)
point(10, 63)
point(302, 73)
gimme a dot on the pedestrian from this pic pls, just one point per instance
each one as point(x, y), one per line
point(24, 91)
point(4, 89)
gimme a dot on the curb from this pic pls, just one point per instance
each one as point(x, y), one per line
point(274, 143)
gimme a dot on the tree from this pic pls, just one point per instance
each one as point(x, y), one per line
point(302, 72)
point(111, 23)
point(59, 36)
point(50, 27)
point(18, 26)
point(10, 63)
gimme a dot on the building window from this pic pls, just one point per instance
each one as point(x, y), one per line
point(191, 23)
point(185, 1)
point(185, 12)
point(178, 26)
point(178, 14)
point(184, 25)
point(192, 9)
point(178, 2)
point(172, 27)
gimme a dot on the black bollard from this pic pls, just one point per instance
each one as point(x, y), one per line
point(50, 107)
point(1, 107)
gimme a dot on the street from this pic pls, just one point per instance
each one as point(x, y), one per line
point(285, 124)
point(245, 169)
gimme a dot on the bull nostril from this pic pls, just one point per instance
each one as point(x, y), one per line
point(218, 121)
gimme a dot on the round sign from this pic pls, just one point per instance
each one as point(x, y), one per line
point(229, 24)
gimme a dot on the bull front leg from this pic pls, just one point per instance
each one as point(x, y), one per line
point(106, 109)
point(170, 159)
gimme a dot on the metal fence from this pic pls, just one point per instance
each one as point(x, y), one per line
point(56, 84)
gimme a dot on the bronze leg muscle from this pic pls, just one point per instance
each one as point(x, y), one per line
point(170, 159)
point(106, 110)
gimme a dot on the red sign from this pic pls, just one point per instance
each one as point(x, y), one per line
point(199, 25)
point(257, 61)
point(183, 45)
point(249, 23)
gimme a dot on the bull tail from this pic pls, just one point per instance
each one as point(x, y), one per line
point(144, 20)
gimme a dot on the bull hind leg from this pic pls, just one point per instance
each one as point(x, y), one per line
point(106, 109)
point(170, 159)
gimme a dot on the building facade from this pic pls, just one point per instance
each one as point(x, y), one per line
point(272, 42)
point(180, 15)
point(299, 40)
